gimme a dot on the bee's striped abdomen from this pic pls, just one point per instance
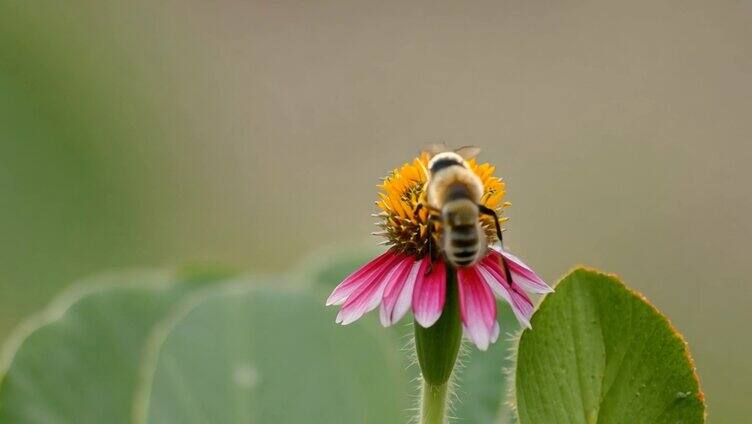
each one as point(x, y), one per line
point(462, 244)
point(456, 191)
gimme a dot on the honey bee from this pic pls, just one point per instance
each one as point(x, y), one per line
point(453, 198)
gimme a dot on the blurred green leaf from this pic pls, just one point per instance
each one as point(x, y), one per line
point(600, 353)
point(78, 361)
point(327, 268)
point(254, 355)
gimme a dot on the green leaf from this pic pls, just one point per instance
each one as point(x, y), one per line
point(255, 355)
point(600, 353)
point(78, 361)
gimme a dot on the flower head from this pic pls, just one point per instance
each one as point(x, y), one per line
point(407, 277)
point(404, 188)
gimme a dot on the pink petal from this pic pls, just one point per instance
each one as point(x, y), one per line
point(357, 278)
point(367, 296)
point(477, 307)
point(399, 291)
point(429, 294)
point(496, 331)
point(521, 304)
point(521, 273)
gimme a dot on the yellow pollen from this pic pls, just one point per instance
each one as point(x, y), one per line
point(402, 191)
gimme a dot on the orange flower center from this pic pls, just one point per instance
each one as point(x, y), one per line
point(401, 192)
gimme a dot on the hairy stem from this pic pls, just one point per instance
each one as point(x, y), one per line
point(437, 348)
point(433, 406)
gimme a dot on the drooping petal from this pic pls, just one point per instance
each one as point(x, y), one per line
point(517, 299)
point(429, 294)
point(477, 307)
point(367, 296)
point(357, 278)
point(522, 307)
point(399, 291)
point(521, 273)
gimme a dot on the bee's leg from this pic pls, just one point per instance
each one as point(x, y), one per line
point(433, 215)
point(492, 213)
point(431, 211)
point(416, 211)
point(429, 232)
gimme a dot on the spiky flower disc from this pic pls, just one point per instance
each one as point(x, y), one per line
point(405, 278)
point(404, 188)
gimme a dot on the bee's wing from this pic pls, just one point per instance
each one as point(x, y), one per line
point(467, 152)
point(434, 149)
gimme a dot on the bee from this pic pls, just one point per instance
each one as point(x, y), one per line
point(453, 198)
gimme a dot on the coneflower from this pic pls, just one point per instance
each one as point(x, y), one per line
point(413, 275)
point(397, 279)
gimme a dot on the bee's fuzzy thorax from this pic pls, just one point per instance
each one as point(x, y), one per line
point(441, 180)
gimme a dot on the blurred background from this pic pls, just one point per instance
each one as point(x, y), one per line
point(250, 134)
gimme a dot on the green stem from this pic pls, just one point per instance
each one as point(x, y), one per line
point(437, 348)
point(434, 404)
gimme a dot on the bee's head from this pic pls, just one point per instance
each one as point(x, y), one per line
point(445, 160)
